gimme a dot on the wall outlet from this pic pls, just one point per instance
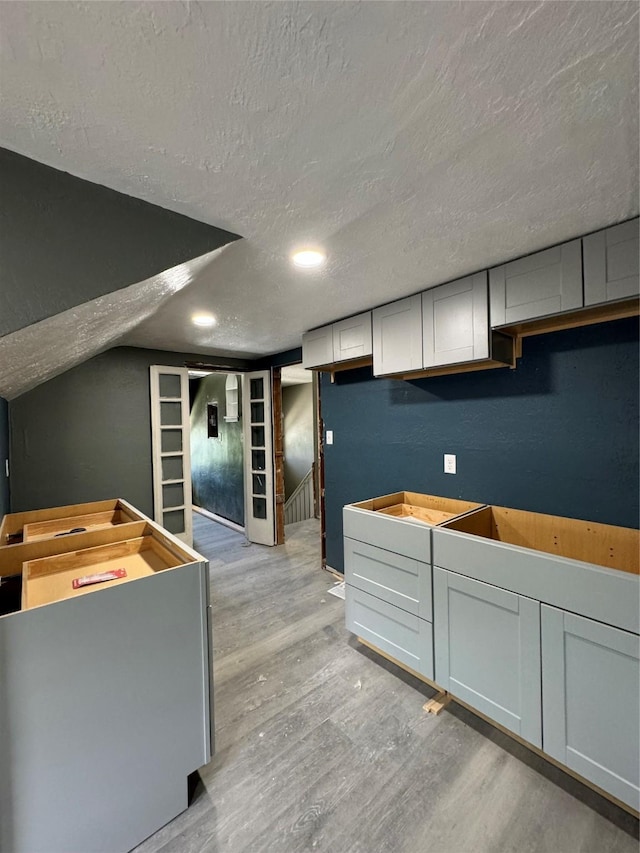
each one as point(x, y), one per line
point(449, 463)
point(329, 436)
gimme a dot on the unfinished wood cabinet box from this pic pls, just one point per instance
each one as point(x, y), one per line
point(51, 579)
point(387, 557)
point(39, 524)
point(535, 617)
point(107, 694)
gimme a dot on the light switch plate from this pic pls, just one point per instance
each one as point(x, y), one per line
point(329, 436)
point(449, 463)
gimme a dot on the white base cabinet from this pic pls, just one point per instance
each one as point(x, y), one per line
point(487, 647)
point(401, 634)
point(591, 699)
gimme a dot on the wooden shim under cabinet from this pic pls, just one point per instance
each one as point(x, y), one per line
point(437, 704)
point(574, 319)
point(504, 731)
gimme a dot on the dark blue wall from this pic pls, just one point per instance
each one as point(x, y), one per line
point(558, 435)
point(4, 454)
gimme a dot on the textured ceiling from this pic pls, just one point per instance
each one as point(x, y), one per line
point(416, 142)
point(47, 348)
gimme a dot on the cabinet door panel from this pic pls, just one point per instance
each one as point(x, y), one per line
point(404, 636)
point(455, 322)
point(397, 336)
point(611, 268)
point(317, 347)
point(591, 704)
point(539, 285)
point(352, 338)
point(391, 577)
point(487, 647)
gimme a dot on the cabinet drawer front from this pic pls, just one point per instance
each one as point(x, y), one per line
point(352, 338)
point(539, 285)
point(611, 267)
point(401, 581)
point(397, 336)
point(409, 538)
point(455, 322)
point(317, 347)
point(487, 643)
point(405, 637)
point(581, 661)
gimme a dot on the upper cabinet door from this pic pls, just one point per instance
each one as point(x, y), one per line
point(352, 338)
point(539, 285)
point(397, 336)
point(611, 264)
point(317, 347)
point(455, 322)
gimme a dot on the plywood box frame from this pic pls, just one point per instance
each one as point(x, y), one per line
point(588, 541)
point(50, 579)
point(430, 509)
point(75, 515)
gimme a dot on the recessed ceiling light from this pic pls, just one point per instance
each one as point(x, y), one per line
point(204, 320)
point(308, 259)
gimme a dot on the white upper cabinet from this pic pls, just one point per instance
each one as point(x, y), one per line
point(352, 338)
point(317, 347)
point(455, 322)
point(611, 264)
point(345, 340)
point(539, 285)
point(397, 336)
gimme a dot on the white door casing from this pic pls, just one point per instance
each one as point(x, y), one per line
point(170, 451)
point(258, 454)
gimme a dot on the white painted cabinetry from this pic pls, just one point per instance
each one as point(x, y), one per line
point(591, 701)
point(343, 341)
point(611, 264)
point(317, 347)
point(539, 285)
point(397, 336)
point(455, 322)
point(487, 647)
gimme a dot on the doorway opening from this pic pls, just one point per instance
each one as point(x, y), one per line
point(217, 448)
point(299, 444)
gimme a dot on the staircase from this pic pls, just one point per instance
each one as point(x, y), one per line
point(300, 505)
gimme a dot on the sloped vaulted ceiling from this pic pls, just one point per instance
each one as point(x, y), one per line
point(416, 141)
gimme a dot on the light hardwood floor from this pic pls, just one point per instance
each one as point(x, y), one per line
point(322, 745)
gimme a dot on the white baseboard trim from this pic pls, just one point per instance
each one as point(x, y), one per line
point(219, 519)
point(334, 572)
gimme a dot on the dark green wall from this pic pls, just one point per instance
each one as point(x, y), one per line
point(558, 435)
point(86, 435)
point(64, 241)
point(217, 463)
point(297, 408)
point(4, 455)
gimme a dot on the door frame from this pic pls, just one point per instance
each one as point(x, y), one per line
point(158, 454)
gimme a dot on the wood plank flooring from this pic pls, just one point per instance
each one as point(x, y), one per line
point(322, 745)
